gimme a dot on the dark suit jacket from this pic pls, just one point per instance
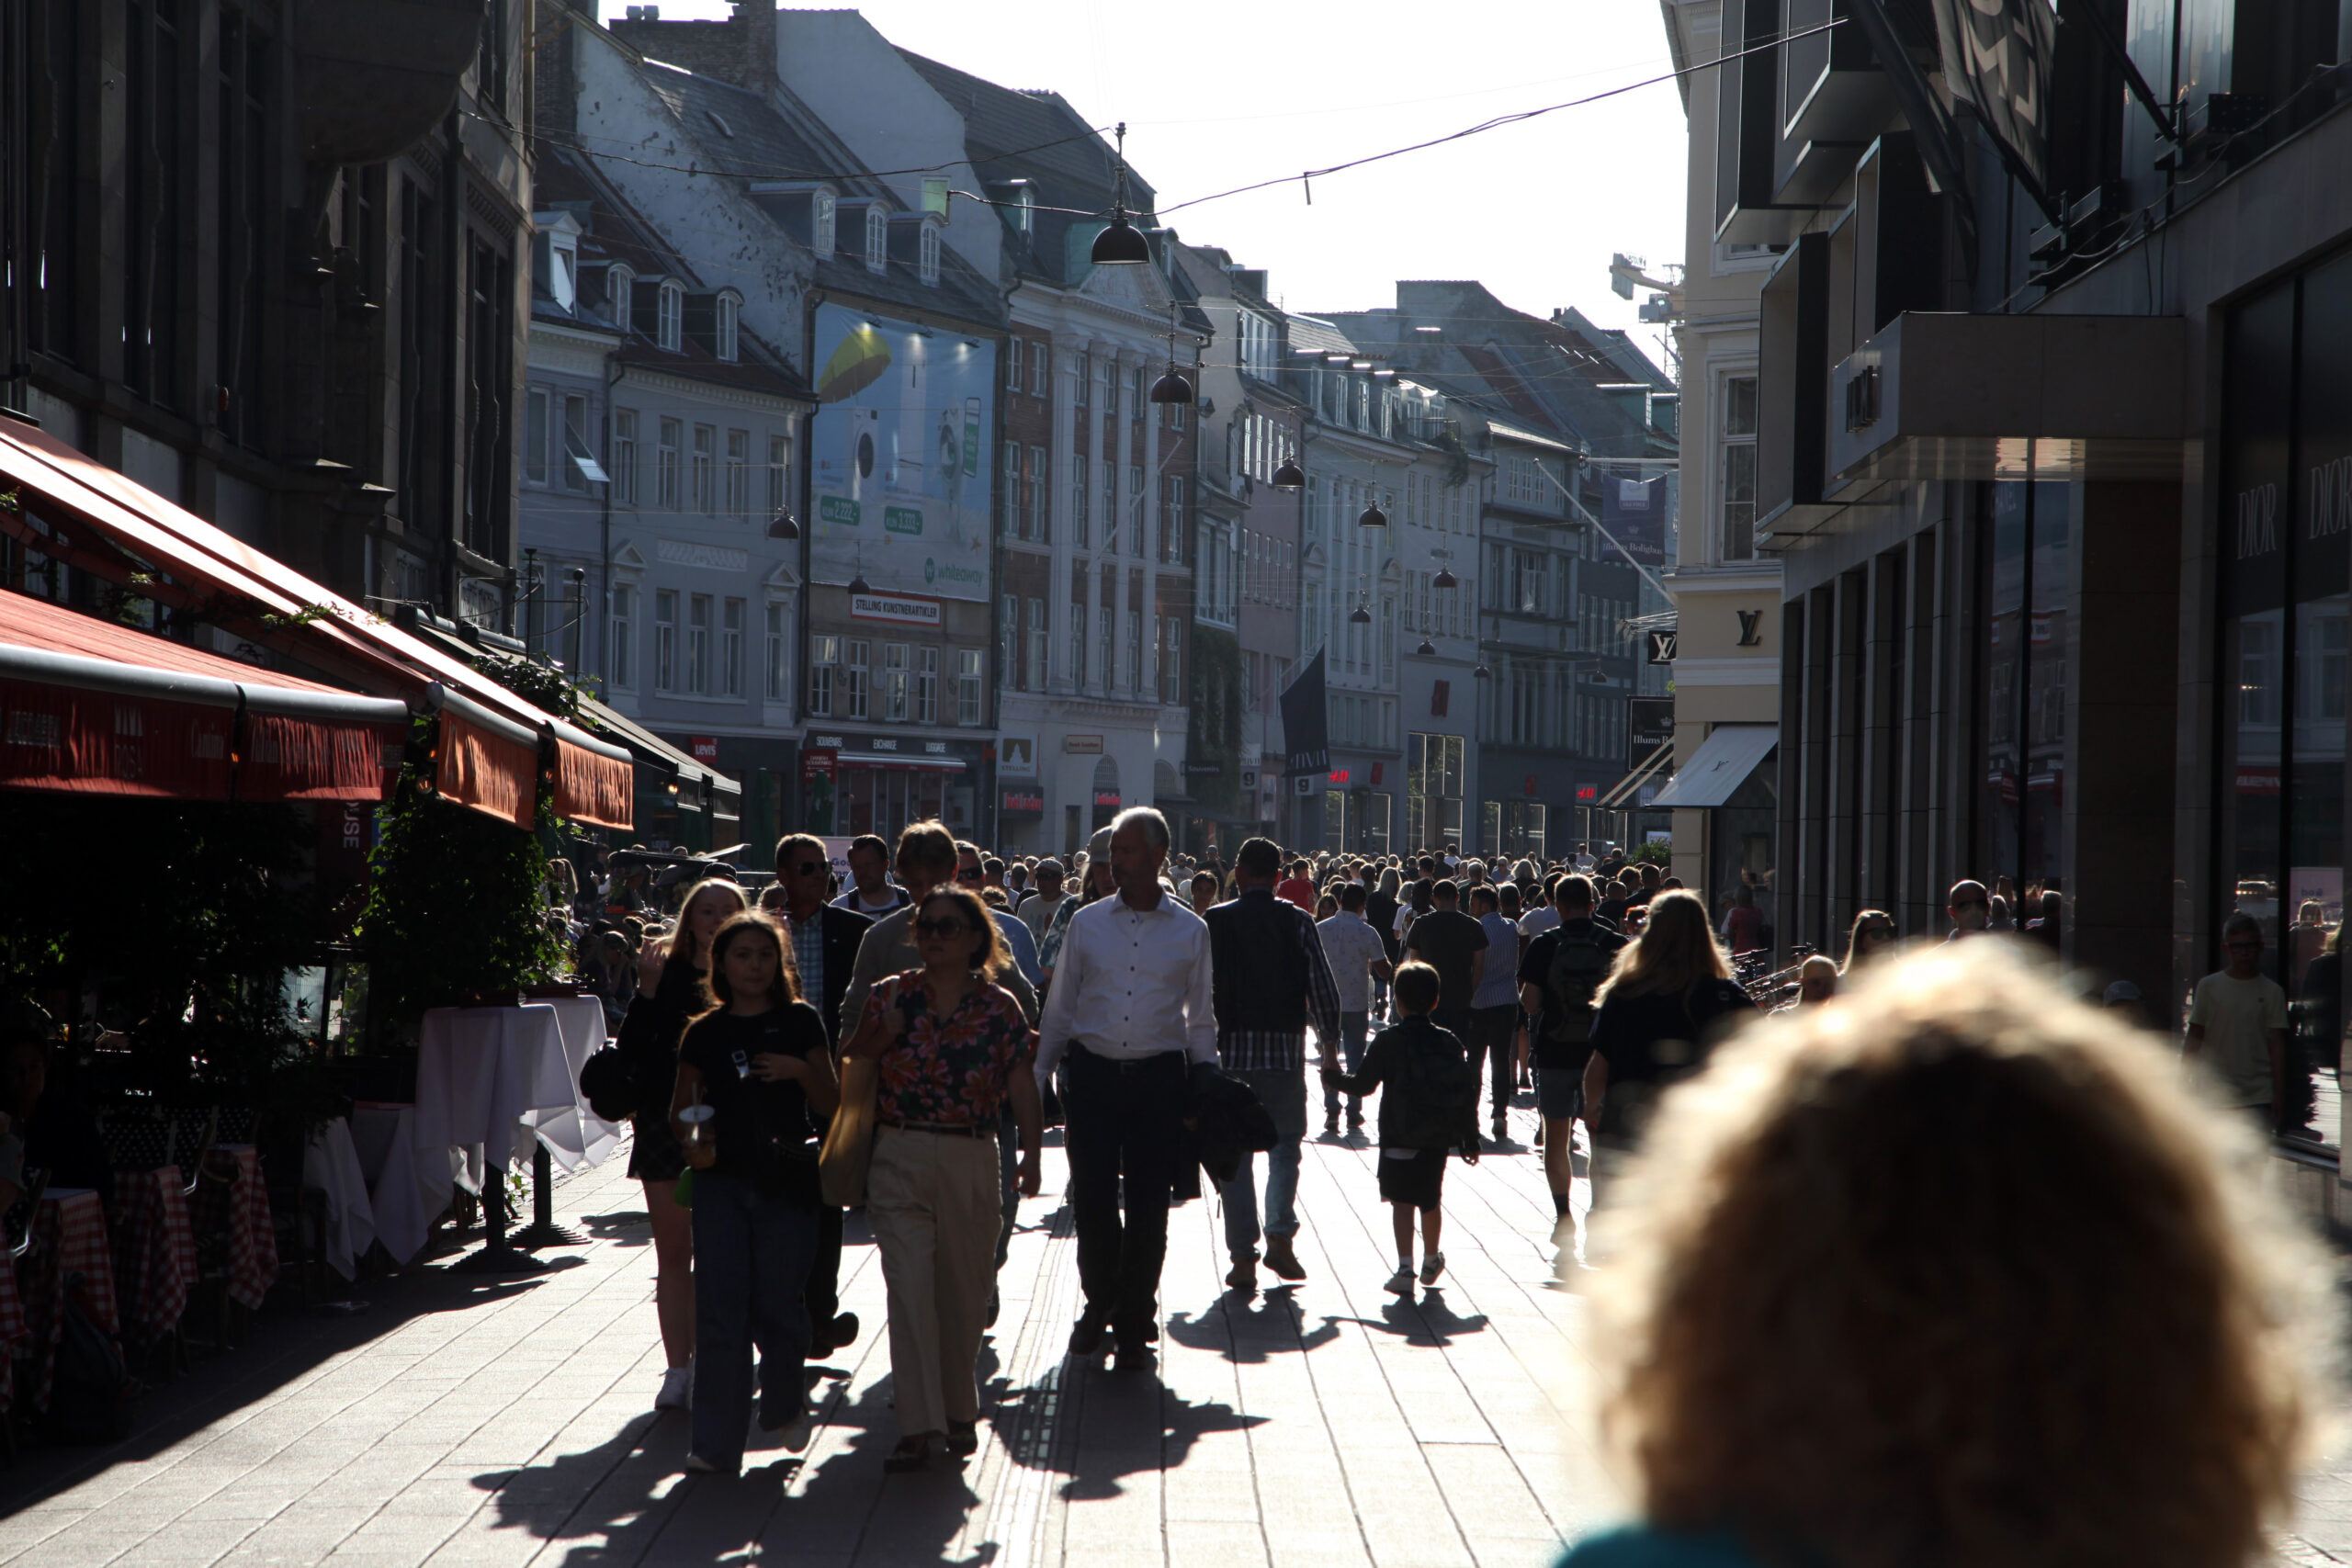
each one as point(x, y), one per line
point(844, 928)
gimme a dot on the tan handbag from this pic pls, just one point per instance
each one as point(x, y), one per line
point(848, 1143)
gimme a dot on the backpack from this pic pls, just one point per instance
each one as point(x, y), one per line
point(90, 1395)
point(1579, 964)
point(1437, 1095)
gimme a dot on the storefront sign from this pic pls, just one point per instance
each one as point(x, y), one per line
point(894, 608)
point(1527, 786)
point(1028, 801)
point(1662, 647)
point(819, 794)
point(705, 749)
point(1105, 798)
point(1203, 770)
point(1016, 756)
point(1588, 794)
point(1338, 775)
point(1378, 769)
point(1082, 745)
point(819, 762)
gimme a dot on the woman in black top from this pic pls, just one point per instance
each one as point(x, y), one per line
point(758, 1060)
point(671, 990)
point(1669, 999)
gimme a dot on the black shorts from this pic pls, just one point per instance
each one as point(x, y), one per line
point(1418, 1181)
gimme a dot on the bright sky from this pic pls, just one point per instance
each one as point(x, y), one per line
point(1223, 93)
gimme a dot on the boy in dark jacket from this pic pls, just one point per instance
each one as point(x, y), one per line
point(1430, 1108)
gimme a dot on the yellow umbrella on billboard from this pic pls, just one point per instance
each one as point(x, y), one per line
point(857, 364)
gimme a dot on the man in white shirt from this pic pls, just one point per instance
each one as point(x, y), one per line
point(1132, 1009)
point(2237, 1025)
point(1357, 957)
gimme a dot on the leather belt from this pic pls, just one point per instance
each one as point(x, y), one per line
point(1129, 1063)
point(945, 1129)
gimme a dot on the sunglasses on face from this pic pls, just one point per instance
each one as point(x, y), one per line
point(941, 928)
point(967, 873)
point(1971, 904)
point(809, 867)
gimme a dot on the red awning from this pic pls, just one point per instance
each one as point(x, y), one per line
point(194, 563)
point(95, 707)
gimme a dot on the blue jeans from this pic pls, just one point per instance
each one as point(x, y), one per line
point(1283, 1091)
point(1351, 1032)
point(752, 1258)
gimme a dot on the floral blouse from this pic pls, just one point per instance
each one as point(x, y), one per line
point(956, 1071)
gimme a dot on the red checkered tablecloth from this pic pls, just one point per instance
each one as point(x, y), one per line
point(69, 1239)
point(234, 1194)
point(155, 1249)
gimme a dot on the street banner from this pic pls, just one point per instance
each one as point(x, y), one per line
point(1996, 56)
point(1634, 512)
point(1303, 720)
point(1649, 724)
point(902, 474)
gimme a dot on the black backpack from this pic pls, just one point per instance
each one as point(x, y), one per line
point(1580, 962)
point(89, 1396)
point(1437, 1093)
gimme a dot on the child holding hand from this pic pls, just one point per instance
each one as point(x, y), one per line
point(1429, 1109)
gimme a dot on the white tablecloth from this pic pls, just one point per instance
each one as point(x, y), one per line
point(575, 1136)
point(406, 1198)
point(330, 1164)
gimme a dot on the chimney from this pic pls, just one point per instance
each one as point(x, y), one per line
point(754, 25)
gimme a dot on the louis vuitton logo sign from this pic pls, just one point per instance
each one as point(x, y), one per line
point(2257, 521)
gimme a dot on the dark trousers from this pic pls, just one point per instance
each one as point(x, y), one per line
point(752, 1257)
point(1490, 1034)
point(824, 1296)
point(1124, 1119)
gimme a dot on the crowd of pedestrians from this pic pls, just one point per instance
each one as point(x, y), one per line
point(1165, 1014)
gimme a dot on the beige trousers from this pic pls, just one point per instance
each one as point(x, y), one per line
point(932, 1199)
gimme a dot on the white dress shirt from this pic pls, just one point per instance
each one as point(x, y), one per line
point(1352, 947)
point(1131, 983)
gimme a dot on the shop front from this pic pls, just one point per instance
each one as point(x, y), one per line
point(1358, 804)
point(854, 783)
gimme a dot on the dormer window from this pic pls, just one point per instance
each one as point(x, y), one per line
point(557, 253)
point(730, 310)
point(670, 318)
point(820, 228)
point(927, 260)
point(619, 280)
point(878, 238)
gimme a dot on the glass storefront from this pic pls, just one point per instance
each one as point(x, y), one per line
point(2030, 583)
point(1433, 774)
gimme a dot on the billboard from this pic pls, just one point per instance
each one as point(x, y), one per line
point(901, 477)
point(1634, 512)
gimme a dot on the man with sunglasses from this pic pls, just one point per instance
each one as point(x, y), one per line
point(971, 876)
point(825, 939)
point(1970, 909)
point(2237, 1026)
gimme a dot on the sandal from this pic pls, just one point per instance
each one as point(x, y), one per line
point(911, 1455)
point(963, 1437)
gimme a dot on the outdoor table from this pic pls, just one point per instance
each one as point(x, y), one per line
point(69, 1239)
point(155, 1251)
point(232, 1194)
point(575, 1136)
point(479, 1072)
point(331, 1166)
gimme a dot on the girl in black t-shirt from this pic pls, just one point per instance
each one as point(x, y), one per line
point(760, 1063)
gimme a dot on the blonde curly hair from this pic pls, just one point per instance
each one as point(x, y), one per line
point(1954, 1271)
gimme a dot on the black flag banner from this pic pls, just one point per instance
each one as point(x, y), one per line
point(1997, 58)
point(1303, 722)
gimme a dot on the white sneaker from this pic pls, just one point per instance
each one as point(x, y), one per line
point(1431, 1267)
point(1401, 1283)
point(677, 1389)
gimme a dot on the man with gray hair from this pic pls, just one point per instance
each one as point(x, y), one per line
point(1132, 1010)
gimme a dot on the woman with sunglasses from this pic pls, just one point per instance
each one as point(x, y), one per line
point(1873, 934)
point(953, 1049)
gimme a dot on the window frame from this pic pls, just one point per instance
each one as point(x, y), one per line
point(698, 650)
point(665, 640)
point(620, 635)
point(733, 616)
point(624, 456)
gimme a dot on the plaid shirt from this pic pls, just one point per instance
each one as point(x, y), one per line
point(808, 956)
point(1285, 1050)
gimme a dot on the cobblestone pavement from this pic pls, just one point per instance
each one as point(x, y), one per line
point(466, 1420)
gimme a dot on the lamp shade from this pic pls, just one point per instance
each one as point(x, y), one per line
point(1172, 389)
point(1290, 476)
point(1371, 517)
point(1483, 673)
point(1121, 245)
point(1445, 579)
point(859, 585)
point(784, 527)
point(1360, 616)
point(1427, 649)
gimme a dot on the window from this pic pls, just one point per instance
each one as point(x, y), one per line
point(1134, 513)
point(853, 674)
point(705, 475)
point(575, 443)
point(730, 314)
point(1110, 501)
point(778, 684)
point(624, 456)
point(665, 464)
point(1172, 659)
point(820, 223)
point(927, 255)
point(1081, 372)
point(535, 435)
point(779, 475)
point(731, 647)
point(1172, 518)
point(824, 653)
point(1102, 644)
point(620, 662)
point(1012, 515)
point(619, 284)
point(739, 473)
point(671, 316)
point(1135, 651)
point(1078, 642)
point(926, 685)
point(666, 639)
point(698, 643)
point(967, 685)
point(894, 680)
point(1109, 371)
point(1014, 360)
point(1175, 416)
point(1739, 468)
point(1077, 491)
point(878, 238)
point(1034, 676)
